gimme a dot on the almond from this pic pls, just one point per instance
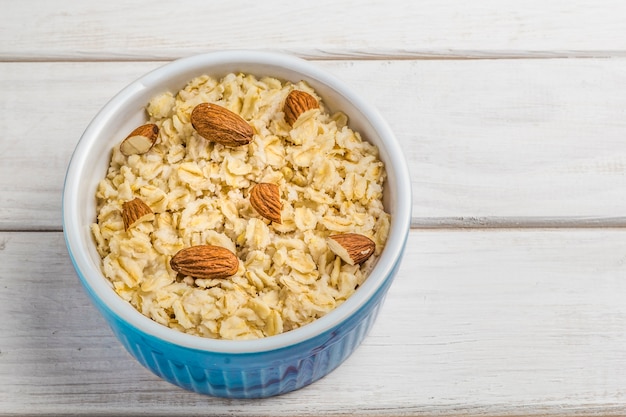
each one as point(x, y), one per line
point(135, 211)
point(205, 261)
point(352, 247)
point(218, 124)
point(265, 198)
point(296, 103)
point(140, 140)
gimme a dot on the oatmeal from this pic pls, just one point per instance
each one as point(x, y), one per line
point(287, 210)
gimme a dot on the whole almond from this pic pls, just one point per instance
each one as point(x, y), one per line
point(135, 211)
point(218, 124)
point(296, 103)
point(265, 198)
point(140, 140)
point(205, 261)
point(352, 247)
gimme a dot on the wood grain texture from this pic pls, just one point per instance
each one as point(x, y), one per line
point(490, 143)
point(486, 323)
point(119, 30)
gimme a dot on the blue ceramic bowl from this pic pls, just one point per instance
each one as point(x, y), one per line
point(233, 369)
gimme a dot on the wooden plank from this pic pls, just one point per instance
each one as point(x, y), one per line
point(492, 322)
point(45, 109)
point(489, 142)
point(118, 30)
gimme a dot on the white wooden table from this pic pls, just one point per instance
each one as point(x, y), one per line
point(512, 297)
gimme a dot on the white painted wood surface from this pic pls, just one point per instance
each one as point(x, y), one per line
point(477, 322)
point(146, 29)
point(510, 300)
point(521, 141)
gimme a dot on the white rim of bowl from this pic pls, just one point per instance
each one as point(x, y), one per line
point(92, 276)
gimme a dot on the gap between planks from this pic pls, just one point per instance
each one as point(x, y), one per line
point(470, 222)
point(357, 55)
point(467, 222)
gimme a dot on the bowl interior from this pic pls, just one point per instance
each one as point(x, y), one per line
point(126, 110)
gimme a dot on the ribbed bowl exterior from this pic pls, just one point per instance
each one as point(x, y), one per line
point(248, 375)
